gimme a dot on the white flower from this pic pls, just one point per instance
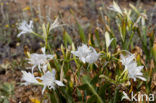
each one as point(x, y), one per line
point(125, 96)
point(130, 64)
point(40, 60)
point(115, 7)
point(25, 28)
point(125, 60)
point(48, 80)
point(29, 78)
point(134, 71)
point(93, 56)
point(86, 54)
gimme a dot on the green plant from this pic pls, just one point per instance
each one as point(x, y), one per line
point(6, 92)
point(89, 76)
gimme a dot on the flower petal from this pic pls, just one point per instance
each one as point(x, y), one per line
point(59, 83)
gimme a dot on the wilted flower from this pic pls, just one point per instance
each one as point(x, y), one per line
point(25, 28)
point(39, 60)
point(48, 80)
point(134, 71)
point(29, 78)
point(86, 54)
point(115, 7)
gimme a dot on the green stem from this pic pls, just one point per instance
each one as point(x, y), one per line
point(53, 97)
point(108, 79)
point(130, 40)
point(56, 96)
point(49, 67)
point(94, 92)
point(50, 49)
point(122, 74)
point(37, 35)
point(46, 42)
point(115, 96)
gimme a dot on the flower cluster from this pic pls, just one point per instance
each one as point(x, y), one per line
point(130, 64)
point(24, 27)
point(48, 78)
point(78, 68)
point(85, 54)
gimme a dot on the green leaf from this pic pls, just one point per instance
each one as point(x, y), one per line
point(97, 41)
point(116, 95)
point(79, 94)
point(123, 28)
point(67, 39)
point(81, 33)
point(86, 80)
point(103, 89)
point(53, 97)
point(83, 87)
point(74, 57)
point(57, 64)
point(7, 89)
point(95, 80)
point(154, 52)
point(108, 79)
point(134, 8)
point(44, 31)
point(66, 95)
